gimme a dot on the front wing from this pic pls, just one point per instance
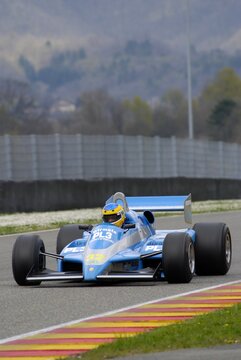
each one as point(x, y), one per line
point(50, 275)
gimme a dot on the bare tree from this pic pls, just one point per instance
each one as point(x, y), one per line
point(20, 112)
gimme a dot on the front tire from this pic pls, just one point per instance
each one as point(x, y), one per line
point(26, 258)
point(178, 258)
point(213, 248)
point(66, 235)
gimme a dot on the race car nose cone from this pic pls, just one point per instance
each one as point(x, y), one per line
point(91, 271)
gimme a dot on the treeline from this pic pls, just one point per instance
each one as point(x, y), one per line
point(216, 112)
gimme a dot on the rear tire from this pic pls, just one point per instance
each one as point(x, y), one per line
point(178, 258)
point(26, 258)
point(213, 248)
point(66, 235)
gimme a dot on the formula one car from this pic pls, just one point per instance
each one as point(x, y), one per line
point(135, 251)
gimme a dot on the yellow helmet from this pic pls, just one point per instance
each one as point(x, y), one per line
point(114, 214)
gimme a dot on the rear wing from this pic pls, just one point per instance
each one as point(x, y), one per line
point(155, 203)
point(162, 203)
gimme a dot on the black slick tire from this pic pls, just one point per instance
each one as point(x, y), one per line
point(66, 235)
point(213, 248)
point(178, 258)
point(26, 258)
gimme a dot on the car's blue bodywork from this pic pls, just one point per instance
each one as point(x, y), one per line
point(110, 252)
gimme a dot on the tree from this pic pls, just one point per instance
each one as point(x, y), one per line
point(20, 113)
point(226, 85)
point(170, 116)
point(137, 117)
point(8, 125)
point(223, 121)
point(219, 106)
point(97, 113)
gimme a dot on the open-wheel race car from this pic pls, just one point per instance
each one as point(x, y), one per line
point(133, 251)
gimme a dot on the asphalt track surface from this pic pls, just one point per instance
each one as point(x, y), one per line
point(25, 309)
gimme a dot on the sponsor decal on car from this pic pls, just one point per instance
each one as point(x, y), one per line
point(95, 259)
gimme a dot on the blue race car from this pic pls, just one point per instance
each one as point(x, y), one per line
point(134, 251)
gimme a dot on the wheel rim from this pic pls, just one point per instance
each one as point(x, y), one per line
point(191, 257)
point(228, 250)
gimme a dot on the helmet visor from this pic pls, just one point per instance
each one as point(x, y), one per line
point(112, 218)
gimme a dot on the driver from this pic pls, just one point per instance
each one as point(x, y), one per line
point(114, 214)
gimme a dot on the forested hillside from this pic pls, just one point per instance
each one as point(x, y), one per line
point(120, 66)
point(130, 48)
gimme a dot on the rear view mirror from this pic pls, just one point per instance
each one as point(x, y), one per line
point(149, 216)
point(129, 226)
point(86, 227)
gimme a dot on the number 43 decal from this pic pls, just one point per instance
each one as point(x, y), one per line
point(95, 259)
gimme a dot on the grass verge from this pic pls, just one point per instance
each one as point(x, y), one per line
point(220, 327)
point(15, 229)
point(52, 219)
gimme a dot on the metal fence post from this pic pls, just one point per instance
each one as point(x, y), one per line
point(174, 156)
point(34, 157)
point(237, 158)
point(141, 156)
point(8, 158)
point(122, 155)
point(158, 156)
point(192, 169)
point(221, 160)
point(79, 149)
point(58, 156)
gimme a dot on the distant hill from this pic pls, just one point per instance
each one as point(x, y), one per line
point(75, 45)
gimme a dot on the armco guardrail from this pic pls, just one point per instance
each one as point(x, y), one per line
point(63, 157)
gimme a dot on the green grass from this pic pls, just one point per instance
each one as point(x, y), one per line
point(220, 327)
point(12, 229)
point(197, 208)
point(6, 230)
